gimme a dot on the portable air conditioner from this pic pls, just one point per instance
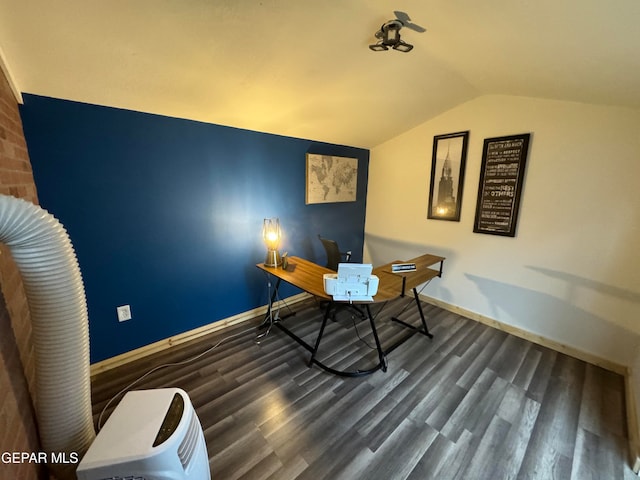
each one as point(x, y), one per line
point(151, 435)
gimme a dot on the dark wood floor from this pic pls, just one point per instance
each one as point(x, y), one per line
point(473, 403)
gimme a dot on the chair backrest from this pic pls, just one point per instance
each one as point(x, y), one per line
point(334, 257)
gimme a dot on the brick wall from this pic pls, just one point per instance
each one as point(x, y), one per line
point(18, 430)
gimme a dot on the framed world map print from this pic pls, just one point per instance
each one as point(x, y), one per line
point(331, 179)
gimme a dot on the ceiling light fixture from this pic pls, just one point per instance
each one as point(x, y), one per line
point(389, 37)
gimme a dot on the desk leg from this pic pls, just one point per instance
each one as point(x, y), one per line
point(269, 321)
point(381, 355)
point(327, 311)
point(413, 330)
point(382, 359)
point(268, 318)
point(424, 322)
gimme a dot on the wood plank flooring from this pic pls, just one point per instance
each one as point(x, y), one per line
point(471, 403)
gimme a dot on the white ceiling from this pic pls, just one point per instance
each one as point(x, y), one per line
point(302, 67)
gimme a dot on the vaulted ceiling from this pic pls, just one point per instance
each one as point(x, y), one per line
point(303, 67)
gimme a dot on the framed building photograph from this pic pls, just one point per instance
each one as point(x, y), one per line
point(447, 176)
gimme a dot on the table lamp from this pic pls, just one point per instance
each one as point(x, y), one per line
point(271, 235)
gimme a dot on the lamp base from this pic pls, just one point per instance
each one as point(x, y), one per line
point(273, 259)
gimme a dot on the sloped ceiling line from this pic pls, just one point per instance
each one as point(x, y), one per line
point(304, 69)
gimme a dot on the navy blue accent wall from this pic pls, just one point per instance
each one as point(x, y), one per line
point(166, 214)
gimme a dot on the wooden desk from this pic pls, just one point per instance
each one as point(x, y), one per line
point(308, 276)
point(401, 281)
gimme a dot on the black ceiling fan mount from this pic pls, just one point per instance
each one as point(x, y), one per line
point(389, 34)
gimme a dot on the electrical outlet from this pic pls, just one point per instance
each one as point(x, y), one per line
point(124, 313)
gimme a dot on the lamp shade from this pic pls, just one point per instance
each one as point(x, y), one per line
point(271, 234)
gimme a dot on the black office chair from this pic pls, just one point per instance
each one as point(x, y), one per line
point(334, 257)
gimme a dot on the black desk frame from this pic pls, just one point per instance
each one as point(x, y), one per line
point(382, 354)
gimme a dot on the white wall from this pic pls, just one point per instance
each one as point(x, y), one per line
point(572, 272)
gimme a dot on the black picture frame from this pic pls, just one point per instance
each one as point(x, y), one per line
point(501, 179)
point(448, 161)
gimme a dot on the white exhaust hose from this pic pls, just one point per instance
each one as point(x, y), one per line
point(42, 250)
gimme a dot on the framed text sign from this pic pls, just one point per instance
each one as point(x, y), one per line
point(501, 177)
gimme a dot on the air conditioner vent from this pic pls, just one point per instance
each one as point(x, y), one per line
point(189, 443)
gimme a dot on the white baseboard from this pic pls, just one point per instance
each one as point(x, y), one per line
point(113, 362)
point(532, 337)
point(181, 338)
point(633, 428)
